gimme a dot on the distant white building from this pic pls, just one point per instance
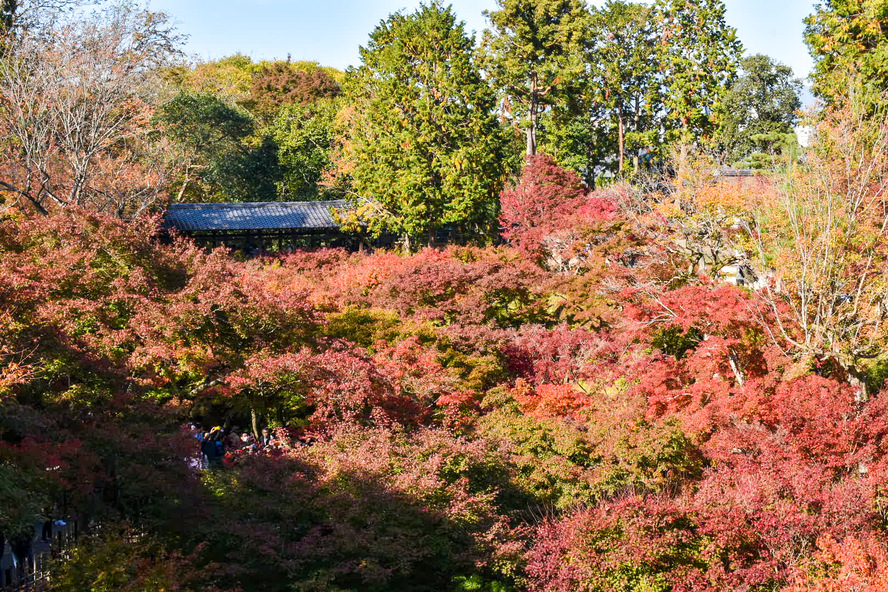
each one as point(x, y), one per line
point(805, 134)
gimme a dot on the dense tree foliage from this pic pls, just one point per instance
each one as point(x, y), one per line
point(532, 52)
point(699, 53)
point(278, 84)
point(306, 139)
point(760, 110)
point(848, 40)
point(610, 115)
point(222, 160)
point(422, 148)
point(644, 79)
point(675, 386)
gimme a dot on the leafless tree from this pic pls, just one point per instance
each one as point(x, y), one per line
point(76, 101)
point(19, 16)
point(824, 244)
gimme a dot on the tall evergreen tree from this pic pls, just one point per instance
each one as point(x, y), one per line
point(612, 110)
point(699, 55)
point(624, 63)
point(422, 145)
point(533, 53)
point(760, 108)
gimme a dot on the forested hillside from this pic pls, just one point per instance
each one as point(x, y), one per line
point(635, 372)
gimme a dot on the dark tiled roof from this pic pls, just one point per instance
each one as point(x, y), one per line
point(732, 172)
point(253, 216)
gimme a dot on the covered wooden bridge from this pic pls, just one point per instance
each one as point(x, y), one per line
point(259, 227)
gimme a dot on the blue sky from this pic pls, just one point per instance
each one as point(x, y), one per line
point(330, 31)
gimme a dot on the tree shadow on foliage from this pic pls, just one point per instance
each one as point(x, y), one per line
point(281, 526)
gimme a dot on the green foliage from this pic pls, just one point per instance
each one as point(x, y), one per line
point(367, 327)
point(477, 583)
point(759, 111)
point(563, 464)
point(532, 54)
point(554, 462)
point(613, 113)
point(675, 341)
point(650, 76)
point(578, 138)
point(19, 501)
point(122, 559)
point(227, 161)
point(422, 146)
point(305, 136)
point(849, 42)
point(699, 53)
point(777, 149)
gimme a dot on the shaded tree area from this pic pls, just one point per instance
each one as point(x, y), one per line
point(222, 162)
point(284, 115)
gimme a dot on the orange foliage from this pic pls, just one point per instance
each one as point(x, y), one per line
point(852, 565)
point(549, 400)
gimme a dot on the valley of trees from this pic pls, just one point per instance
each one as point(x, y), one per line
point(572, 398)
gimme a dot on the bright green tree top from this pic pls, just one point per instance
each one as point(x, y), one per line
point(764, 101)
point(422, 145)
point(699, 57)
point(533, 52)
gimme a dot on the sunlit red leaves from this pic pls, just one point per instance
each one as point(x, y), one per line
point(614, 546)
point(857, 563)
point(549, 218)
point(550, 400)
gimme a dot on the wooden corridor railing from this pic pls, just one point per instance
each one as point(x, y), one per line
point(32, 573)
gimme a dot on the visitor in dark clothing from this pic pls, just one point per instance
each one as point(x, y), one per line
point(209, 450)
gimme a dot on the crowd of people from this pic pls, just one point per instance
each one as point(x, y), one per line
point(219, 446)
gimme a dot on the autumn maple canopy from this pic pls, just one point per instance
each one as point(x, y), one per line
point(628, 366)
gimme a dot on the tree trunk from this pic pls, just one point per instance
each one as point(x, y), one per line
point(620, 140)
point(532, 114)
point(254, 421)
point(734, 362)
point(856, 379)
point(681, 173)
